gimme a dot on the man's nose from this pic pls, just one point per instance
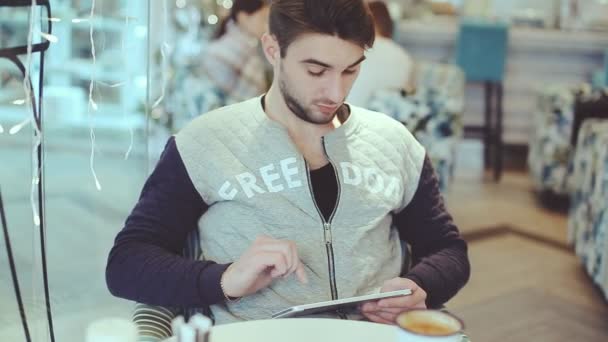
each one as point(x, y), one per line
point(336, 91)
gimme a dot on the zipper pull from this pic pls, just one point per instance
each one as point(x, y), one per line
point(327, 232)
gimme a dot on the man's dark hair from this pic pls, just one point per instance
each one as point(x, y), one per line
point(382, 18)
point(348, 19)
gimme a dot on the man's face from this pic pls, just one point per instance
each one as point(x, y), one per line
point(316, 75)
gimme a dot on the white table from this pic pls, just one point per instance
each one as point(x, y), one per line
point(302, 330)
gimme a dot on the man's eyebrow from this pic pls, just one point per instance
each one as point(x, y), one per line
point(357, 62)
point(316, 62)
point(325, 65)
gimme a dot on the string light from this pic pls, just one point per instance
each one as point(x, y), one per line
point(163, 53)
point(33, 120)
point(1, 129)
point(28, 102)
point(112, 85)
point(15, 129)
point(35, 182)
point(162, 72)
point(122, 52)
point(212, 19)
point(51, 38)
point(37, 139)
point(92, 103)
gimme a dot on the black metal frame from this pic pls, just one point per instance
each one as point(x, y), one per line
point(11, 261)
point(12, 54)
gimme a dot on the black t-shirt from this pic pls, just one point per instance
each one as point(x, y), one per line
point(325, 189)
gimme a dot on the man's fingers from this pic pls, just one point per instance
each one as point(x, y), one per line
point(376, 318)
point(387, 316)
point(290, 252)
point(295, 259)
point(392, 311)
point(395, 284)
point(405, 302)
point(372, 317)
point(369, 306)
point(272, 259)
point(372, 307)
point(421, 305)
point(301, 273)
point(279, 246)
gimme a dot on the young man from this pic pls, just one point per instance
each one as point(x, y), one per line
point(299, 197)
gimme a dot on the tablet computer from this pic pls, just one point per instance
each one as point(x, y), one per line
point(345, 304)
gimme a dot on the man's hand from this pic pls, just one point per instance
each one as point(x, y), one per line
point(265, 260)
point(386, 310)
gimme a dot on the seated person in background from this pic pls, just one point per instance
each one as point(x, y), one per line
point(298, 197)
point(387, 64)
point(233, 61)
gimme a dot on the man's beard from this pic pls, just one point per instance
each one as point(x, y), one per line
point(298, 109)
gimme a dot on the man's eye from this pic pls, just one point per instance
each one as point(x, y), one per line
point(316, 74)
point(350, 71)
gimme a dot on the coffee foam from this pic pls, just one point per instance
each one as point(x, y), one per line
point(423, 317)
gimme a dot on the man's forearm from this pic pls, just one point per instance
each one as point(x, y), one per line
point(147, 274)
point(442, 274)
point(440, 262)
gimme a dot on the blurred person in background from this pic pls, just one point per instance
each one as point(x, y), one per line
point(387, 64)
point(233, 60)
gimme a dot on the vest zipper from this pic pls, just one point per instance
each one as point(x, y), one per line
point(327, 228)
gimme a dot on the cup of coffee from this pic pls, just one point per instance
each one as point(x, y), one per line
point(429, 326)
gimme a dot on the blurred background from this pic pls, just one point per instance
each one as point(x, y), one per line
point(508, 97)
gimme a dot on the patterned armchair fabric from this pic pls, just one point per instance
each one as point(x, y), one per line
point(588, 219)
point(550, 148)
point(433, 113)
point(551, 144)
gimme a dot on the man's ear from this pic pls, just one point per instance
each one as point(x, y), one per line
point(271, 48)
